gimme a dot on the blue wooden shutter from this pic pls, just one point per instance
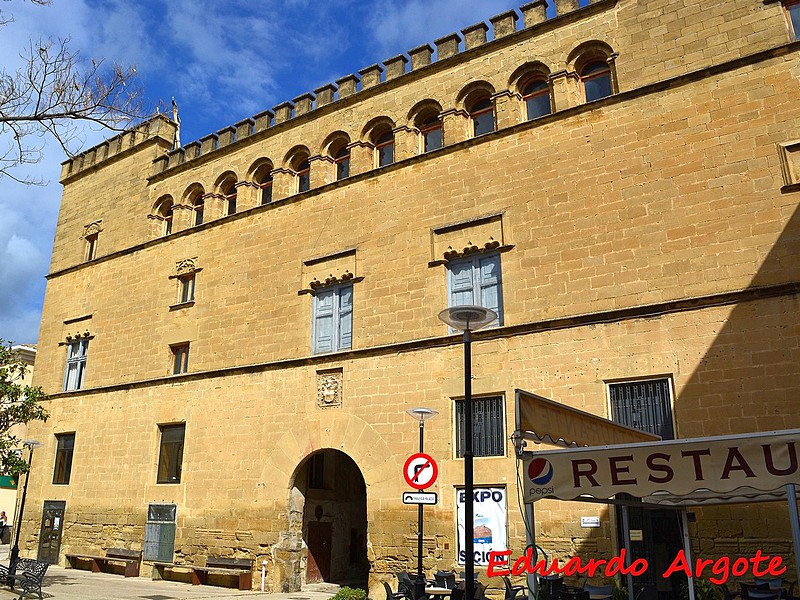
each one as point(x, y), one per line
point(345, 317)
point(461, 283)
point(489, 282)
point(323, 321)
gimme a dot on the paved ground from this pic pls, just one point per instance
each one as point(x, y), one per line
point(74, 584)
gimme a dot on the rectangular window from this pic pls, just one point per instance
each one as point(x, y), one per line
point(91, 247)
point(488, 425)
point(643, 405)
point(793, 12)
point(333, 319)
point(76, 364)
point(180, 358)
point(159, 533)
point(170, 454)
point(186, 288)
point(64, 449)
point(477, 280)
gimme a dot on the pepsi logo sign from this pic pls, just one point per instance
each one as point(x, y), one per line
point(540, 471)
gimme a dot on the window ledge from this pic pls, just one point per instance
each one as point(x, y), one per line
point(181, 305)
point(444, 261)
point(792, 187)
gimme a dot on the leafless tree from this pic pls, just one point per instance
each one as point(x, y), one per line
point(54, 95)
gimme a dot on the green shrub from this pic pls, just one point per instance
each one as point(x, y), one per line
point(703, 590)
point(347, 593)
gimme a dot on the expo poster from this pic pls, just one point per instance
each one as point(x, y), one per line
point(490, 523)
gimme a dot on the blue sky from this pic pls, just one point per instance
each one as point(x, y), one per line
point(221, 60)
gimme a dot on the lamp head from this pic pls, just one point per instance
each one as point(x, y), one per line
point(467, 317)
point(32, 444)
point(422, 414)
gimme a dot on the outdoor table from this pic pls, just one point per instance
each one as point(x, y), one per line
point(437, 591)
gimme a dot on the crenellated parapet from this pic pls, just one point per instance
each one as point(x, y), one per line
point(447, 48)
point(158, 130)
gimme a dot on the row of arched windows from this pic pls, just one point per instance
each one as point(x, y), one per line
point(532, 86)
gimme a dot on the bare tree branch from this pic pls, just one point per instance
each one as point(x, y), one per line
point(54, 95)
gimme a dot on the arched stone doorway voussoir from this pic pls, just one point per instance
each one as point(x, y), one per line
point(329, 508)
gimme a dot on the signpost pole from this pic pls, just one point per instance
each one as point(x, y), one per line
point(419, 584)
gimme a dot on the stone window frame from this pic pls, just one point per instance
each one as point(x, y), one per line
point(472, 95)
point(425, 118)
point(527, 75)
point(379, 135)
point(587, 54)
point(336, 149)
point(91, 235)
point(62, 467)
point(77, 361)
point(498, 437)
point(261, 177)
point(163, 213)
point(186, 271)
point(179, 358)
point(298, 163)
point(789, 7)
point(166, 472)
point(227, 190)
point(194, 197)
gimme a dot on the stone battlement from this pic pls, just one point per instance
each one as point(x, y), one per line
point(446, 48)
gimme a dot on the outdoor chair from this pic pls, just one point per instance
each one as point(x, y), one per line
point(390, 595)
point(776, 585)
point(598, 592)
point(748, 588)
point(512, 591)
point(570, 593)
point(405, 585)
point(763, 595)
point(550, 586)
point(459, 589)
point(445, 579)
point(727, 594)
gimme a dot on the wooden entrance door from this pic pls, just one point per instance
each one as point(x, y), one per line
point(318, 566)
point(50, 532)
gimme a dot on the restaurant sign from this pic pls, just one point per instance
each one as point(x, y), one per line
point(722, 465)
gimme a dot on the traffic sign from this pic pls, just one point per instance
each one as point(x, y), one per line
point(419, 498)
point(420, 471)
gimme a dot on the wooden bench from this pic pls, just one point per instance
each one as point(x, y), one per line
point(241, 568)
point(130, 559)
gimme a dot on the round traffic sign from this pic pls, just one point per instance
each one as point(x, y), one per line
point(420, 471)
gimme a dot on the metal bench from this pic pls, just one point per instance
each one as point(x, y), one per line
point(240, 568)
point(130, 559)
point(27, 576)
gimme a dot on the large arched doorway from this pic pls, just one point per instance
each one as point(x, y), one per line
point(334, 518)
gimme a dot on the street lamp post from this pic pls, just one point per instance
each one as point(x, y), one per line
point(31, 445)
point(421, 414)
point(468, 319)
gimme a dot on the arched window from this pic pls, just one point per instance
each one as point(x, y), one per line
point(430, 128)
point(166, 214)
point(481, 113)
point(199, 206)
point(536, 95)
point(264, 181)
point(384, 147)
point(229, 192)
point(303, 174)
point(342, 161)
point(596, 79)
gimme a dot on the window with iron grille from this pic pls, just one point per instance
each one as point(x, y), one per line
point(644, 405)
point(488, 426)
point(159, 533)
